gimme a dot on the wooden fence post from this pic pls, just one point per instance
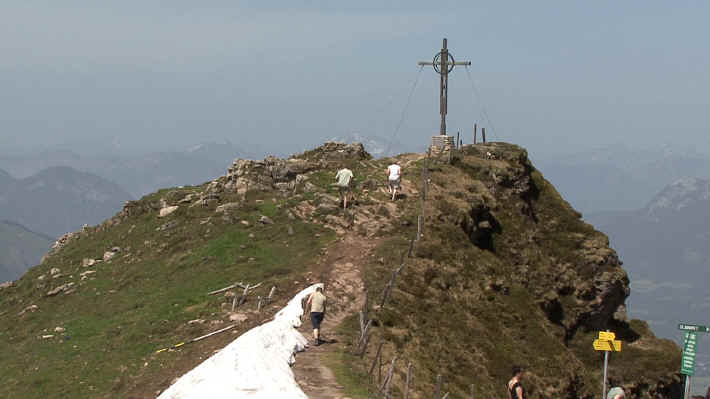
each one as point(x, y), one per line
point(377, 355)
point(473, 392)
point(437, 389)
point(363, 338)
point(475, 129)
point(409, 379)
point(483, 133)
point(244, 296)
point(388, 380)
point(419, 227)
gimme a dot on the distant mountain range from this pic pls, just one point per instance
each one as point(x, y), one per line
point(58, 200)
point(20, 249)
point(665, 247)
point(139, 174)
point(619, 177)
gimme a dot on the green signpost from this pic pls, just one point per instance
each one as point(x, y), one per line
point(690, 345)
point(687, 365)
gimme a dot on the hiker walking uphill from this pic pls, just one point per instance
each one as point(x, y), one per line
point(394, 179)
point(317, 303)
point(344, 177)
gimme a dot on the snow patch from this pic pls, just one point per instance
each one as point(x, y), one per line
point(255, 365)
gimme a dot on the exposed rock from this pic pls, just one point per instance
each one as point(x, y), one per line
point(84, 275)
point(31, 308)
point(238, 317)
point(336, 221)
point(169, 225)
point(108, 255)
point(290, 230)
point(333, 151)
point(47, 336)
point(196, 321)
point(327, 206)
point(167, 211)
point(42, 277)
point(116, 249)
point(228, 207)
point(188, 199)
point(54, 271)
point(6, 284)
point(309, 187)
point(87, 262)
point(61, 288)
point(59, 330)
point(244, 222)
point(265, 220)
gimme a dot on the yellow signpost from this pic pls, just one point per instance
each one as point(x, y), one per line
point(606, 342)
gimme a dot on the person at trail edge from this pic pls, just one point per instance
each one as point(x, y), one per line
point(394, 178)
point(343, 177)
point(616, 393)
point(317, 303)
point(515, 390)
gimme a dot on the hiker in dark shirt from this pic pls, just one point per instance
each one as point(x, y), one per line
point(515, 390)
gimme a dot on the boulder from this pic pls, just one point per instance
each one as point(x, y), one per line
point(265, 220)
point(108, 255)
point(238, 317)
point(167, 211)
point(87, 262)
point(55, 270)
point(6, 284)
point(59, 329)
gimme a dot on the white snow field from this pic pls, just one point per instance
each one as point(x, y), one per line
point(255, 365)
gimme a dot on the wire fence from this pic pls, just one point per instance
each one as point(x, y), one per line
point(383, 383)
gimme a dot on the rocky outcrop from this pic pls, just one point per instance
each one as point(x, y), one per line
point(284, 175)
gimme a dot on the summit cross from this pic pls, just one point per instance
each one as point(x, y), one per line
point(443, 63)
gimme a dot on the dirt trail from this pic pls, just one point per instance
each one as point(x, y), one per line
point(345, 292)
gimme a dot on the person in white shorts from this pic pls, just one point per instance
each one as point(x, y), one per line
point(394, 179)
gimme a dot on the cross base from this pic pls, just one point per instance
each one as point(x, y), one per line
point(441, 144)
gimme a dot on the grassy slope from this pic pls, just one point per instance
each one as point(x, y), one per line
point(469, 314)
point(19, 250)
point(141, 300)
point(457, 310)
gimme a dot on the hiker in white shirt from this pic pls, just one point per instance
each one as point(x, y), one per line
point(394, 179)
point(343, 177)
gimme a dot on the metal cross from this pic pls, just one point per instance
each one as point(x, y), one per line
point(443, 63)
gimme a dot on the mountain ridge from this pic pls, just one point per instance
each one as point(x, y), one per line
point(505, 272)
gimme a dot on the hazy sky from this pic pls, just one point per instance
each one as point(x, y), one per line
point(553, 76)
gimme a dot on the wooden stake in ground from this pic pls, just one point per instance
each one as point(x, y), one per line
point(377, 356)
point(437, 389)
point(388, 381)
point(409, 379)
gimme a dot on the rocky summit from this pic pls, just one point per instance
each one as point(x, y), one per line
point(479, 264)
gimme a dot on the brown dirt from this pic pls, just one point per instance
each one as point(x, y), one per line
point(340, 269)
